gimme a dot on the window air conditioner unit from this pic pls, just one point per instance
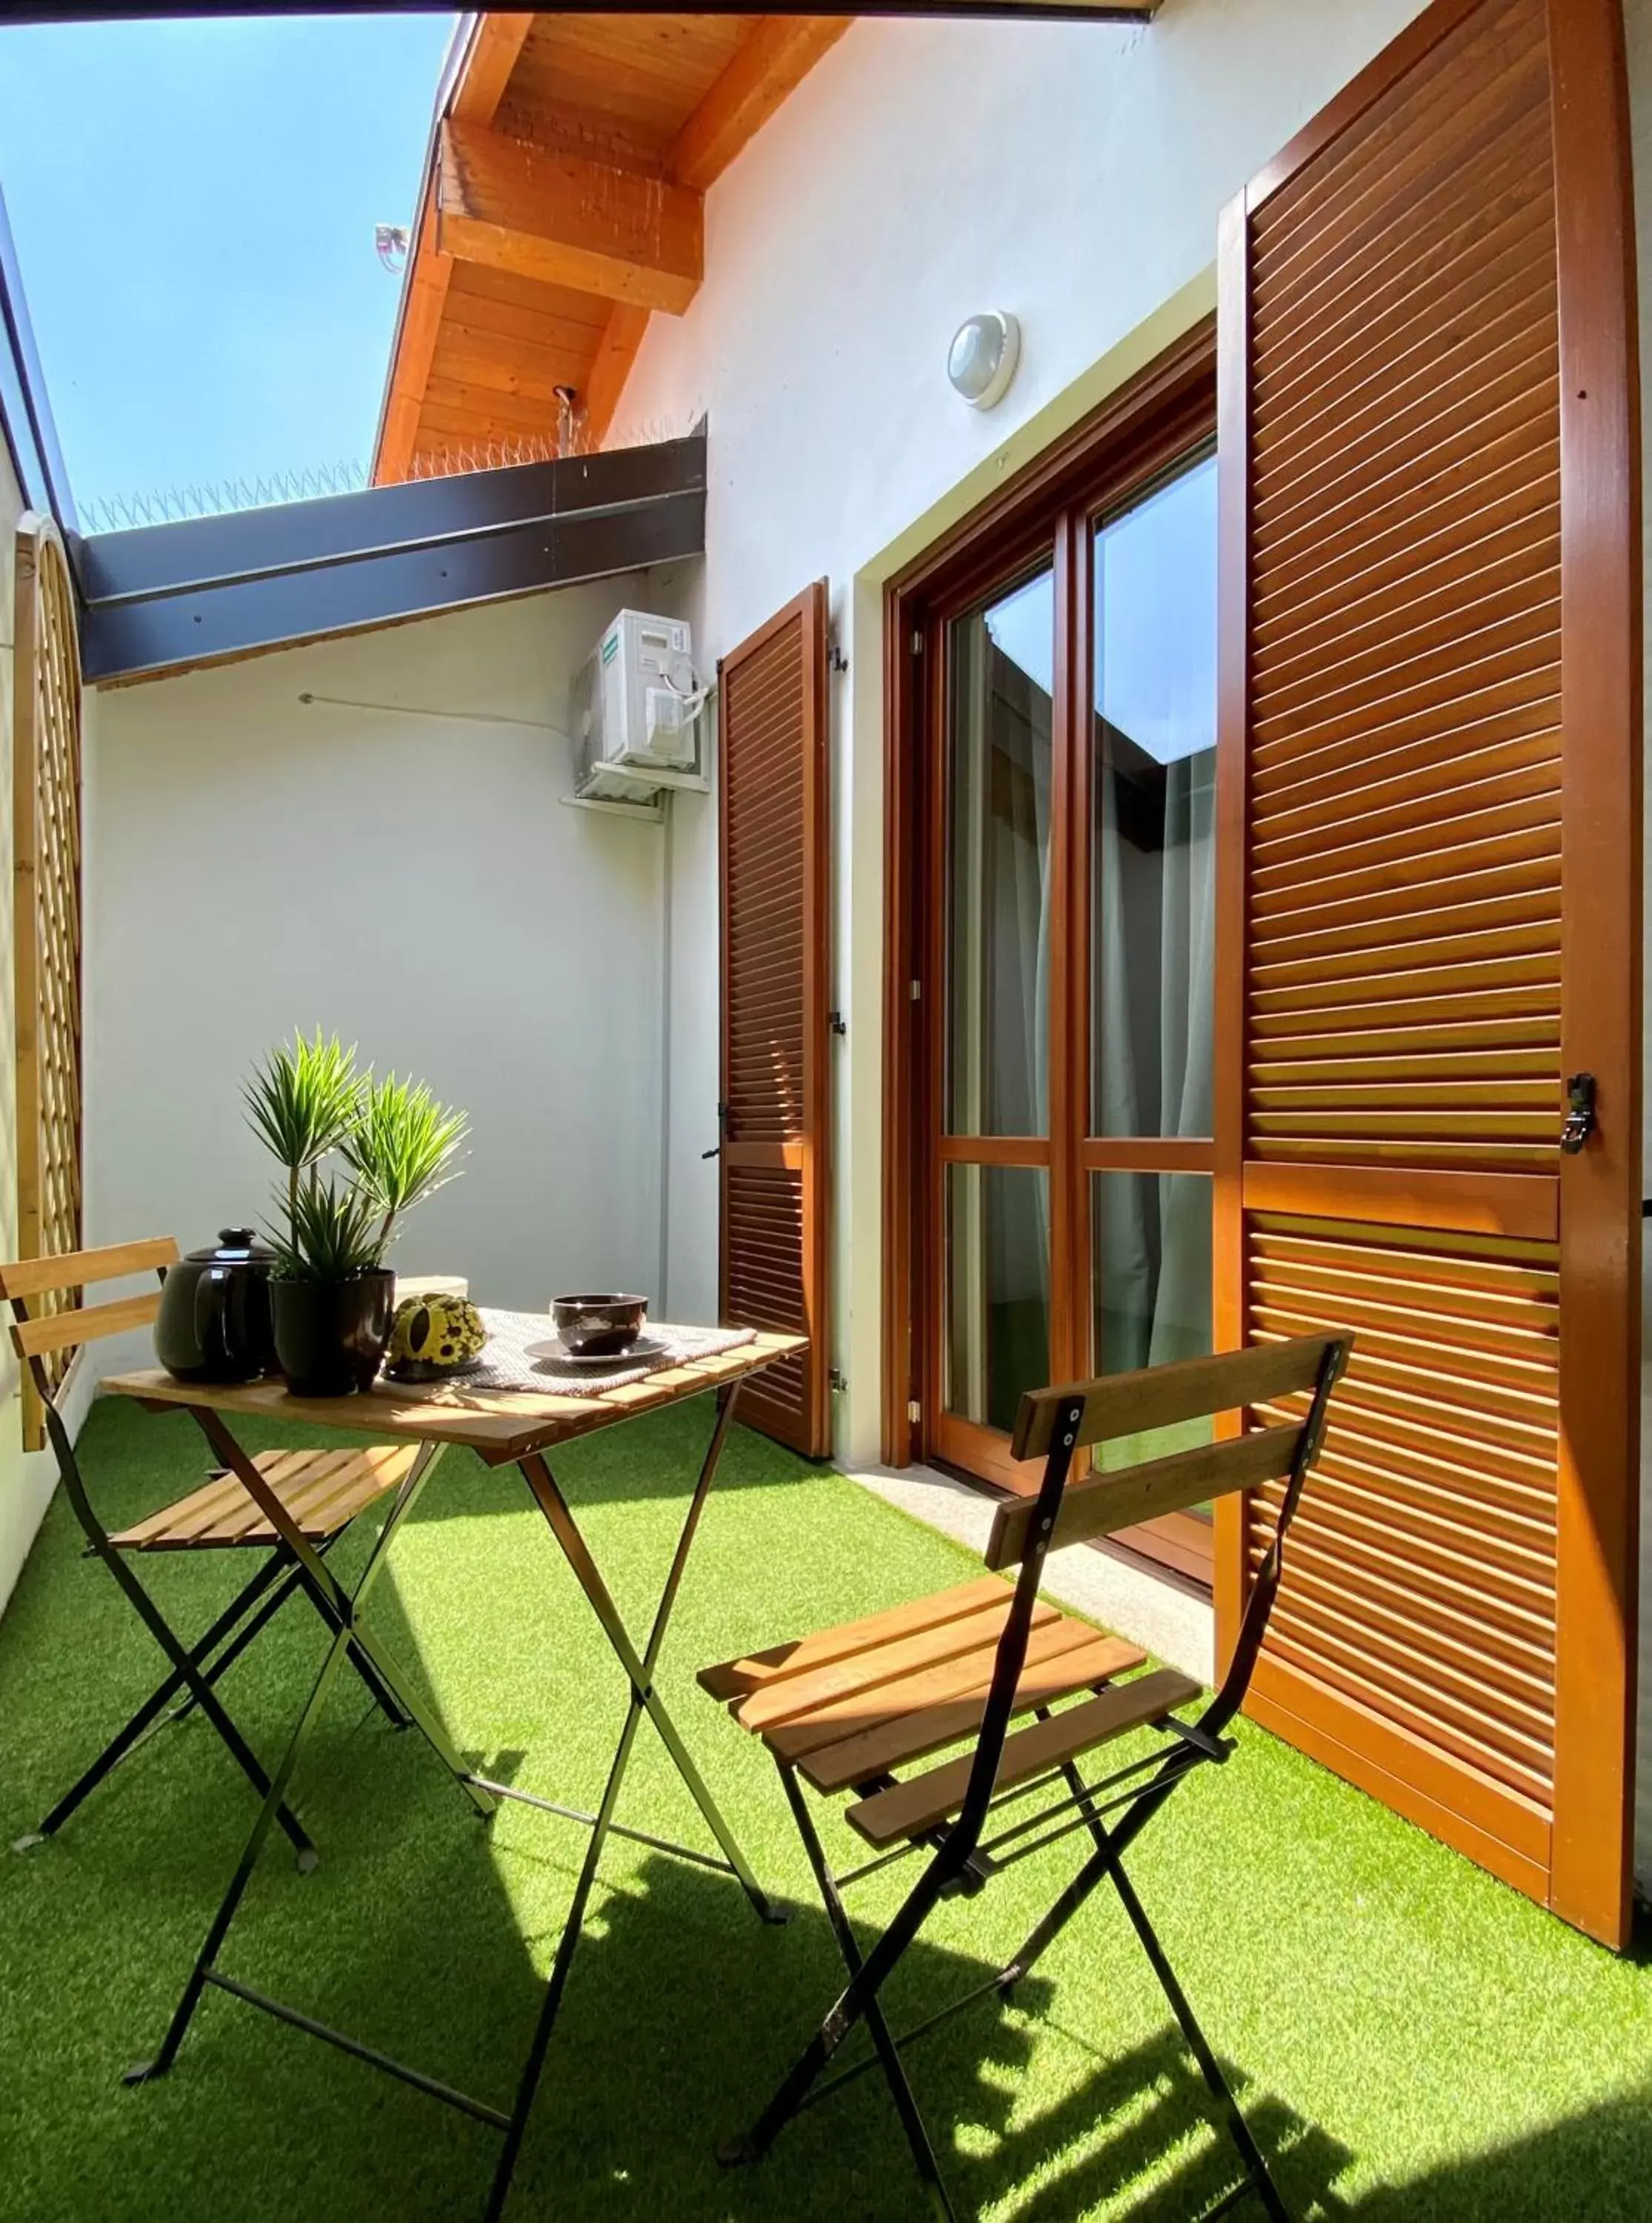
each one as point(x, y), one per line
point(638, 721)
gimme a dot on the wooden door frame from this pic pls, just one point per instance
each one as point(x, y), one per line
point(1156, 418)
point(1599, 1214)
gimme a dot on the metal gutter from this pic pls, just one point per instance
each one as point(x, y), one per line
point(25, 412)
point(167, 597)
point(1007, 12)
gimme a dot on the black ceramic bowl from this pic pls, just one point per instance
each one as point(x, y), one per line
point(598, 1326)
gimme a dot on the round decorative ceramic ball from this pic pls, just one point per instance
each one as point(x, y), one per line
point(433, 1335)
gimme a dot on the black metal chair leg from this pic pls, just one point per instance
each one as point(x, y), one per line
point(1238, 2129)
point(1050, 1928)
point(148, 1716)
point(282, 1558)
point(912, 2122)
point(340, 1609)
point(913, 1912)
point(206, 1698)
point(232, 1651)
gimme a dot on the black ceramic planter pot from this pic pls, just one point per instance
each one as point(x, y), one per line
point(331, 1336)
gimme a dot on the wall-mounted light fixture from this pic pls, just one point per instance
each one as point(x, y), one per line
point(982, 359)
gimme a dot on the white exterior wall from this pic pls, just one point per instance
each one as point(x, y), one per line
point(412, 882)
point(1071, 172)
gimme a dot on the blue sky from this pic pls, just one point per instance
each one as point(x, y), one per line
point(192, 204)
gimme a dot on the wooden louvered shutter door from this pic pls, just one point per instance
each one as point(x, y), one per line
point(1430, 808)
point(775, 983)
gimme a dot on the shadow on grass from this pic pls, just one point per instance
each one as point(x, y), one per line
point(422, 1937)
point(685, 2015)
point(1596, 2164)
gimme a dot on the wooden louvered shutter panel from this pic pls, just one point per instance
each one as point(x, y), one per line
point(775, 983)
point(1431, 820)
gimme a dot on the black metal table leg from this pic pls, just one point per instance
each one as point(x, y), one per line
point(640, 1672)
point(345, 1633)
point(644, 1699)
point(567, 1945)
point(341, 1611)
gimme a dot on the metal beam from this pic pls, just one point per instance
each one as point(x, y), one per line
point(169, 596)
point(25, 412)
point(1092, 11)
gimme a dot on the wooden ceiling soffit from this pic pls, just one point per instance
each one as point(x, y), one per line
point(165, 597)
point(564, 220)
point(527, 190)
point(775, 58)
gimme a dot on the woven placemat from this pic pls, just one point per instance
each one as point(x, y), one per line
point(506, 1365)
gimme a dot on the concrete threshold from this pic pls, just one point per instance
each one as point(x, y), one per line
point(1163, 1617)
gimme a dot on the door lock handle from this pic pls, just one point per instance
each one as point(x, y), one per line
point(1580, 1122)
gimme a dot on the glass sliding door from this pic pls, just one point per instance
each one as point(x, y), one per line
point(1152, 766)
point(996, 918)
point(1067, 913)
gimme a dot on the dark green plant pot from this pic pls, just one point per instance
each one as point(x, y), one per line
point(330, 1337)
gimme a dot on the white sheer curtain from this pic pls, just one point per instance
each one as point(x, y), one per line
point(999, 961)
point(1153, 953)
point(1153, 941)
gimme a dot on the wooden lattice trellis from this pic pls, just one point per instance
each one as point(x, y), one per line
point(47, 913)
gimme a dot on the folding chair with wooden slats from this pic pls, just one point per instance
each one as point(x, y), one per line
point(322, 1491)
point(842, 1711)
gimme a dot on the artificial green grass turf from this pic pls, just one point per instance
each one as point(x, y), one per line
point(1411, 2039)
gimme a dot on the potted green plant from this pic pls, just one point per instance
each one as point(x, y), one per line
point(331, 1294)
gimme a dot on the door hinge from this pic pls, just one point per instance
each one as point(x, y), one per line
point(917, 641)
point(915, 989)
point(837, 1022)
point(837, 1380)
point(835, 659)
point(915, 1411)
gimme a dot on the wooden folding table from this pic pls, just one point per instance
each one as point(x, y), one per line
point(504, 1428)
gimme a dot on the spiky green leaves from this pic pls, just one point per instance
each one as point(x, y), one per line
point(403, 1146)
point(307, 1100)
point(304, 1099)
point(335, 1233)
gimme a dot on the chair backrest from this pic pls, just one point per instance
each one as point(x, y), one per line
point(1193, 1389)
point(35, 1339)
point(1059, 1422)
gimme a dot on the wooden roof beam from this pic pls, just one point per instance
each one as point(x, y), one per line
point(498, 41)
point(566, 221)
point(427, 294)
point(605, 379)
point(776, 55)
